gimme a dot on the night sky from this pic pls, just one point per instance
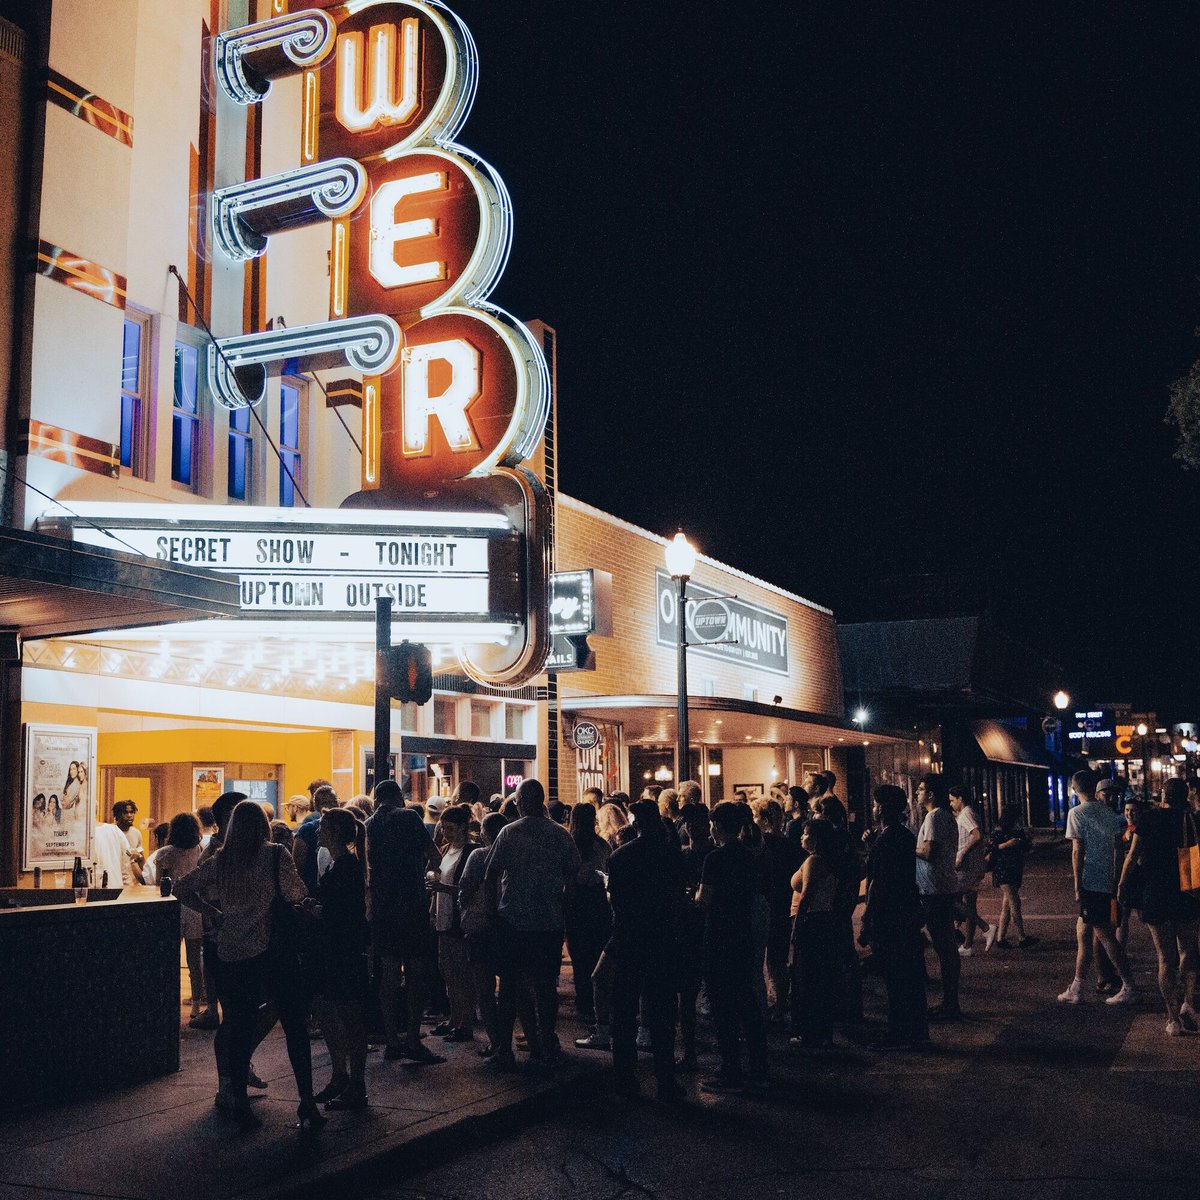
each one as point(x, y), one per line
point(852, 295)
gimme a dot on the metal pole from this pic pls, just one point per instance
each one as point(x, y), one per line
point(681, 720)
point(383, 697)
point(1146, 769)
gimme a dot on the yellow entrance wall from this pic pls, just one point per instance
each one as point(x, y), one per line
point(305, 756)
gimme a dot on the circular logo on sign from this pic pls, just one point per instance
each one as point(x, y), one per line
point(709, 620)
point(585, 736)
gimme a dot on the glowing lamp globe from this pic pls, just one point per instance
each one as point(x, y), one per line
point(681, 557)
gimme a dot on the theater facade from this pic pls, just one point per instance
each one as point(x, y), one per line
point(254, 382)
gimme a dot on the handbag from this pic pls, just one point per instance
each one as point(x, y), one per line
point(1189, 857)
point(289, 925)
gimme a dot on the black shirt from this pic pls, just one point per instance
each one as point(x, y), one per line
point(731, 876)
point(892, 874)
point(644, 888)
point(786, 857)
point(398, 853)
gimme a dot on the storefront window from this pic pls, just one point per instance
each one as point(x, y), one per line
point(515, 723)
point(443, 717)
point(408, 718)
point(481, 719)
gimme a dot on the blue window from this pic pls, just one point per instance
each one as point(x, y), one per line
point(132, 394)
point(185, 428)
point(241, 446)
point(290, 458)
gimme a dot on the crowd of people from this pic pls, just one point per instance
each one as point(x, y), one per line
point(375, 918)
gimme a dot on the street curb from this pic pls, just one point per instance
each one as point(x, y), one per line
point(442, 1137)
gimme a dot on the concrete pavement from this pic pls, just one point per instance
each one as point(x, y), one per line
point(1026, 1098)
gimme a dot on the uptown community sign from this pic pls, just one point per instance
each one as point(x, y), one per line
point(723, 627)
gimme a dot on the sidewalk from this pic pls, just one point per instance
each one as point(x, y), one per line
point(164, 1139)
point(1019, 1064)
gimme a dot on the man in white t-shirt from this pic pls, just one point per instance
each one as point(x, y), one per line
point(1094, 832)
point(111, 848)
point(971, 867)
point(937, 881)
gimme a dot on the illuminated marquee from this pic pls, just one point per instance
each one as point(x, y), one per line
point(305, 564)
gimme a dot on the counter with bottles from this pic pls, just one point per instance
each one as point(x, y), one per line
point(89, 992)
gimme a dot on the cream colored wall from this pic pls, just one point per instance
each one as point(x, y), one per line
point(762, 765)
point(128, 209)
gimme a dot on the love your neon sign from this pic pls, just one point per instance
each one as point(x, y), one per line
point(421, 229)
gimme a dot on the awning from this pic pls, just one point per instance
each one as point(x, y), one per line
point(1003, 744)
point(53, 588)
point(721, 721)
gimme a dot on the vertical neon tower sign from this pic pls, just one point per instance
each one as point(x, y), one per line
point(421, 230)
point(454, 388)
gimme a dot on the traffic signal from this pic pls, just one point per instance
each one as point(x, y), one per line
point(407, 673)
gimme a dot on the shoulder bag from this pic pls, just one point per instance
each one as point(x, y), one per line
point(1189, 857)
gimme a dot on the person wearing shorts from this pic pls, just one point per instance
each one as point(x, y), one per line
point(1094, 831)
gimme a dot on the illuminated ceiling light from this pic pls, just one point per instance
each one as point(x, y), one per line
point(663, 774)
point(1061, 700)
point(861, 715)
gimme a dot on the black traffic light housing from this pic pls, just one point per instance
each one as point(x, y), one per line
point(407, 673)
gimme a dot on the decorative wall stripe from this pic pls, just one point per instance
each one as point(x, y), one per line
point(80, 274)
point(72, 449)
point(89, 107)
point(339, 392)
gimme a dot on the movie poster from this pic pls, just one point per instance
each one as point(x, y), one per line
point(58, 798)
point(207, 784)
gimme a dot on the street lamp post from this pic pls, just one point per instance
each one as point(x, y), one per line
point(1142, 730)
point(681, 562)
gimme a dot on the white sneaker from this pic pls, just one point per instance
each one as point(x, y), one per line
point(1127, 995)
point(598, 1039)
point(989, 938)
point(965, 952)
point(1174, 1029)
point(1073, 994)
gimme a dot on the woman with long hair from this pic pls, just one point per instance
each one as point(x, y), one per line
point(610, 820)
point(588, 918)
point(236, 889)
point(343, 984)
point(1172, 915)
point(178, 858)
point(71, 789)
point(815, 936)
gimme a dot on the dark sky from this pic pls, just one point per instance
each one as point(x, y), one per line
point(860, 292)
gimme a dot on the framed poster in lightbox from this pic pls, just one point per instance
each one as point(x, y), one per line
point(58, 795)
